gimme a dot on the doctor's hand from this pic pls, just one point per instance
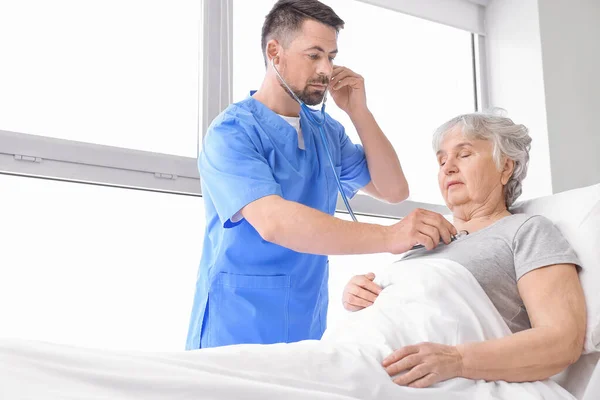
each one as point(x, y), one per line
point(423, 364)
point(348, 90)
point(360, 292)
point(419, 227)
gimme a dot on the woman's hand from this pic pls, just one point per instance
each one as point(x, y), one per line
point(360, 292)
point(424, 364)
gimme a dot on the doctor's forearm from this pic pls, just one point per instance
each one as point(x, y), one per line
point(385, 169)
point(306, 230)
point(533, 354)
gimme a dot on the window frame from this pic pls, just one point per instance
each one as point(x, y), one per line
point(68, 160)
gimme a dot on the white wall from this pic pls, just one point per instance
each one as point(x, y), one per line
point(570, 37)
point(514, 60)
point(543, 63)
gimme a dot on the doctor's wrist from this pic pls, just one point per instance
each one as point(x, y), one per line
point(394, 241)
point(360, 114)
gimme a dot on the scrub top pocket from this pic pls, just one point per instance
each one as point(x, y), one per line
point(248, 309)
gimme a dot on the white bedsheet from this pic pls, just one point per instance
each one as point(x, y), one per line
point(433, 300)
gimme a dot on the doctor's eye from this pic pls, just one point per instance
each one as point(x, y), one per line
point(313, 56)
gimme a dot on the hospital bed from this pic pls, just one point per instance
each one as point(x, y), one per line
point(41, 367)
point(577, 214)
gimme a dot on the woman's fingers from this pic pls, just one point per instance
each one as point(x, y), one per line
point(399, 355)
point(403, 364)
point(367, 283)
point(358, 302)
point(360, 292)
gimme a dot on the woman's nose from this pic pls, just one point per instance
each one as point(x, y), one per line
point(449, 167)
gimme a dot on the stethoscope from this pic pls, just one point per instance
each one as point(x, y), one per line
point(319, 124)
point(453, 238)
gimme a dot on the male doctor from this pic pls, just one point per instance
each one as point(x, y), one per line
point(270, 193)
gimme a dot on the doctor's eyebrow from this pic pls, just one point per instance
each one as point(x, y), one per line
point(319, 48)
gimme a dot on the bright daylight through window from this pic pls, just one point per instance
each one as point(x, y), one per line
point(113, 72)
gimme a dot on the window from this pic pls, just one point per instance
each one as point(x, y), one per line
point(119, 72)
point(98, 266)
point(418, 74)
point(113, 268)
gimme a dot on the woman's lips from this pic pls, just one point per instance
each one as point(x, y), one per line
point(450, 184)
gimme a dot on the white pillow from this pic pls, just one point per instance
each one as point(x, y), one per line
point(576, 213)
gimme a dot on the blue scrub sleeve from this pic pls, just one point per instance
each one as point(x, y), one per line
point(355, 172)
point(233, 171)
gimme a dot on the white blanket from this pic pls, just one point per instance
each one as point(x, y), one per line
point(433, 300)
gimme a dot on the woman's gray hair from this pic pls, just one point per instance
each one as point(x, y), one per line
point(509, 139)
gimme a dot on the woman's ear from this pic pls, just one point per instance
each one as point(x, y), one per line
point(507, 171)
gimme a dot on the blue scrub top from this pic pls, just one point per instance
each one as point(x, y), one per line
point(249, 290)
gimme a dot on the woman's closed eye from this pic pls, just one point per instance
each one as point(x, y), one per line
point(462, 155)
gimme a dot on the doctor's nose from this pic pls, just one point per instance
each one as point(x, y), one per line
point(325, 68)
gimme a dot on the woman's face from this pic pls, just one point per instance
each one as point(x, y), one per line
point(468, 175)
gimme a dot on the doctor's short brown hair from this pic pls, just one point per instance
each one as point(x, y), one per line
point(287, 17)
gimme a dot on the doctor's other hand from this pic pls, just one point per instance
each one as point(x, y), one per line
point(360, 292)
point(348, 90)
point(423, 227)
point(423, 364)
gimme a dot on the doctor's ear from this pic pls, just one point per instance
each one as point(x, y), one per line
point(273, 51)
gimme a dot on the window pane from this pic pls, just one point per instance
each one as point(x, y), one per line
point(114, 72)
point(98, 266)
point(418, 74)
point(114, 268)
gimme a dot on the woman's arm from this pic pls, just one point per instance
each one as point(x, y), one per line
point(556, 307)
point(554, 300)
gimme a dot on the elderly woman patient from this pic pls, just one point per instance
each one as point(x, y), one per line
point(522, 262)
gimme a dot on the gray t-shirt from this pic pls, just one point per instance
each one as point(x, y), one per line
point(500, 254)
